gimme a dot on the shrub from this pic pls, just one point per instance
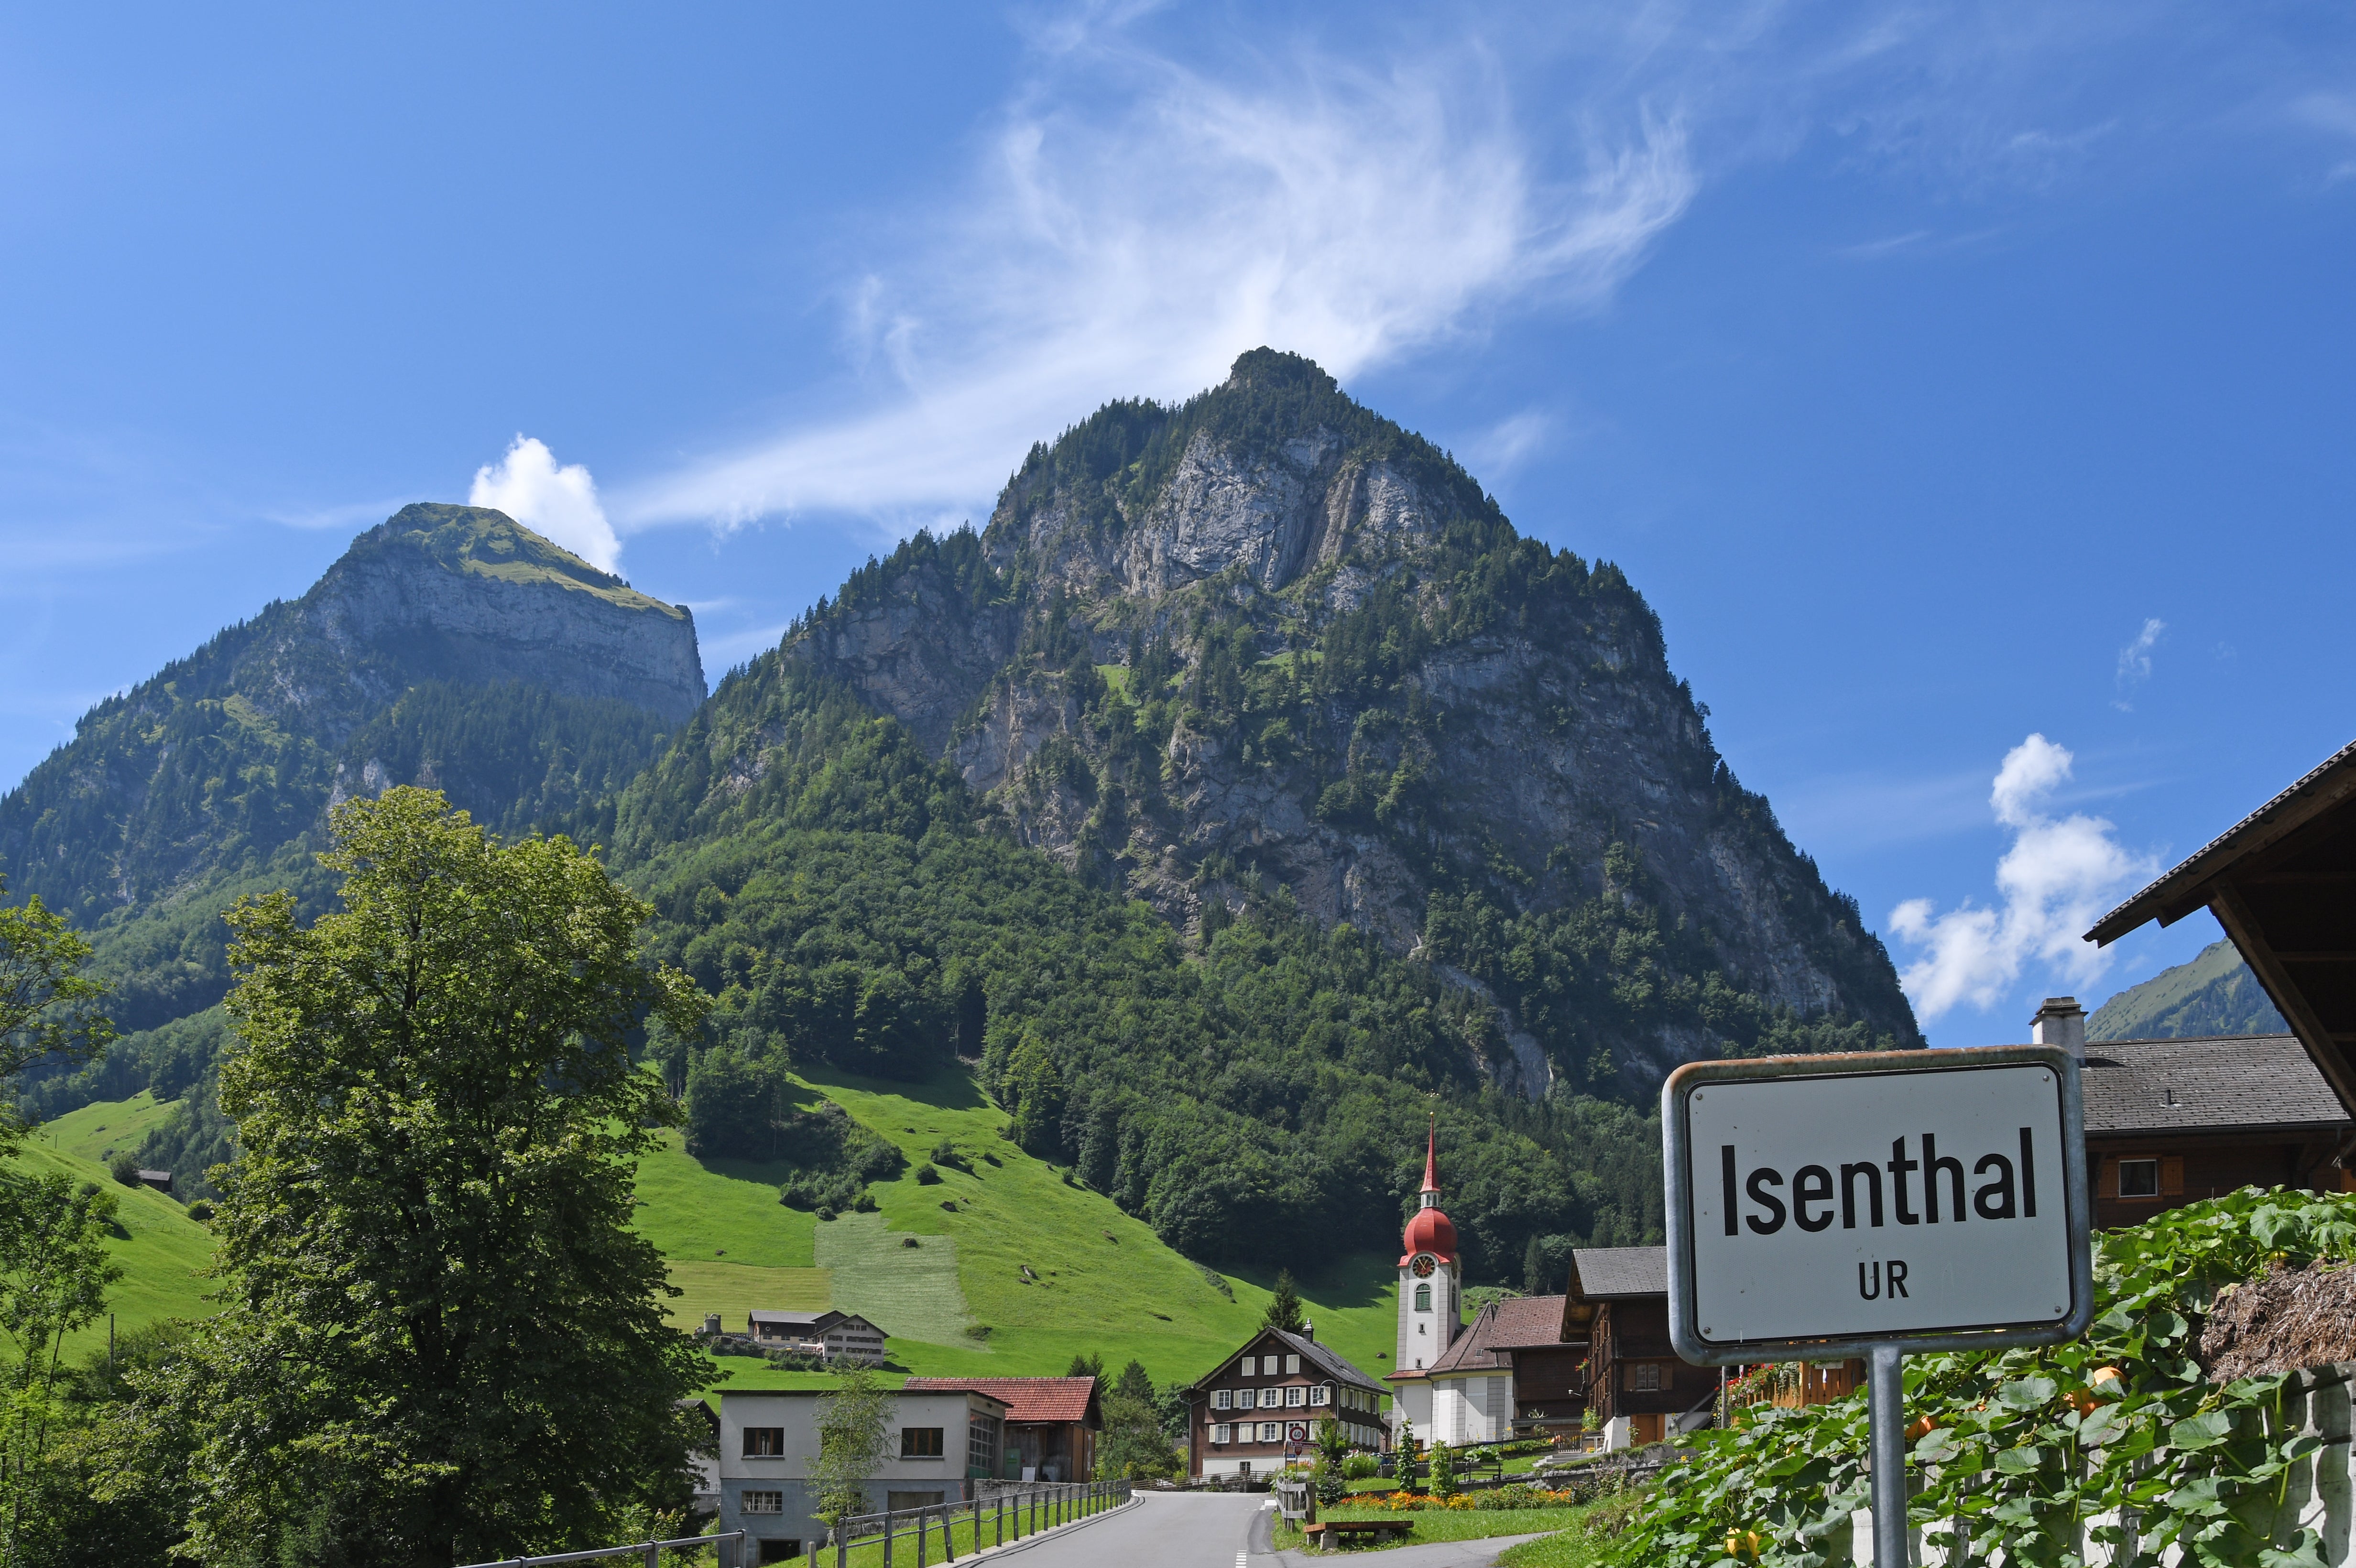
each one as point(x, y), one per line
point(927, 1176)
point(2023, 1446)
point(946, 1153)
point(1443, 1470)
point(200, 1210)
point(1360, 1467)
point(124, 1169)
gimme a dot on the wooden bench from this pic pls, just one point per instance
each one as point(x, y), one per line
point(1334, 1529)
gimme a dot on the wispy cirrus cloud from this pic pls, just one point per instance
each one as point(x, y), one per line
point(1147, 204)
point(1134, 238)
point(2135, 663)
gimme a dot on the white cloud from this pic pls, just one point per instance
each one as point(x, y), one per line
point(2057, 878)
point(1137, 224)
point(559, 504)
point(2135, 663)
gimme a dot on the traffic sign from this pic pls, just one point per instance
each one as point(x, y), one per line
point(1927, 1198)
point(1822, 1207)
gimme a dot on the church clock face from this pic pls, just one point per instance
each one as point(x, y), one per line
point(1423, 1265)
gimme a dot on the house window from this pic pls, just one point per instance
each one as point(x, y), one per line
point(1222, 1432)
point(1295, 1395)
point(765, 1443)
point(982, 1444)
point(761, 1502)
point(1222, 1400)
point(1423, 1299)
point(2138, 1179)
point(1271, 1430)
point(1251, 1364)
point(1644, 1378)
point(1272, 1399)
point(920, 1442)
point(1321, 1394)
point(1292, 1364)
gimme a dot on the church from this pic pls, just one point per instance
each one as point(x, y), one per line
point(1446, 1387)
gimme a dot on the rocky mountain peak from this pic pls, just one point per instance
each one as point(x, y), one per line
point(449, 644)
point(1266, 645)
point(469, 593)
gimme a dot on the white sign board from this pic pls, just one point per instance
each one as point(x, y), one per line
point(1822, 1202)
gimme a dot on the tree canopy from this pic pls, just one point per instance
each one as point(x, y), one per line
point(443, 1340)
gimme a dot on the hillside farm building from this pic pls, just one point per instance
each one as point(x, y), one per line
point(827, 1334)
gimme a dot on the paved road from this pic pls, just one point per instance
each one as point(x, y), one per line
point(1215, 1530)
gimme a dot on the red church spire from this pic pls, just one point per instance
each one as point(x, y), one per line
point(1430, 1231)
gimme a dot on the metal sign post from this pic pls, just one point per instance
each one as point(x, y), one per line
point(1826, 1207)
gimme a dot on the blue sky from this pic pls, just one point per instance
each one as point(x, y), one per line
point(1946, 377)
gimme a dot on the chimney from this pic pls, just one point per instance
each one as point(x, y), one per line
point(2063, 1022)
point(1308, 1330)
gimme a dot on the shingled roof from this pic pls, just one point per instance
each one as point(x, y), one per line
point(1516, 1322)
point(2213, 1084)
point(1027, 1399)
point(1332, 1362)
point(1524, 1320)
point(1607, 1273)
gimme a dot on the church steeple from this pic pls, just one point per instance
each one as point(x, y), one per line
point(1429, 1295)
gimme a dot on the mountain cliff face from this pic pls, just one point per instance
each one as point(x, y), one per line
point(447, 646)
point(1269, 645)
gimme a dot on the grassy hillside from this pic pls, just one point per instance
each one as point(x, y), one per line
point(2214, 994)
point(161, 1249)
point(1098, 1281)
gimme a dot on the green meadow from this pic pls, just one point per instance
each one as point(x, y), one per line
point(1006, 1267)
point(160, 1249)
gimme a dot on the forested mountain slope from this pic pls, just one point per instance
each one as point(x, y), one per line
point(2214, 994)
point(1230, 838)
point(1245, 794)
point(448, 646)
point(1268, 639)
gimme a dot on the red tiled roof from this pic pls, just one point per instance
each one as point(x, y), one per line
point(1027, 1399)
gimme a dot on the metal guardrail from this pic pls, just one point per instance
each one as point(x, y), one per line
point(1028, 1509)
point(651, 1550)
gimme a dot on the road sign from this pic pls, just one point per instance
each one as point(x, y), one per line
point(1821, 1204)
point(1874, 1204)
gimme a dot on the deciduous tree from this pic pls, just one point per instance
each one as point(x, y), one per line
point(443, 1340)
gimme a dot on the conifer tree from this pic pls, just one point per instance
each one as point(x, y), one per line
point(1284, 1307)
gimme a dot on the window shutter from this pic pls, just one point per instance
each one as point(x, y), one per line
point(2171, 1175)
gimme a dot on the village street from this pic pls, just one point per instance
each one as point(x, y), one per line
point(1215, 1530)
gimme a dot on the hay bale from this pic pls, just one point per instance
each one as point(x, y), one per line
point(2288, 1320)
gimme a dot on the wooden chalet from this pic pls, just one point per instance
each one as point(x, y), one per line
point(1050, 1427)
point(1260, 1406)
point(1534, 1336)
point(1638, 1389)
point(2170, 1122)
